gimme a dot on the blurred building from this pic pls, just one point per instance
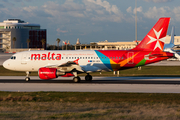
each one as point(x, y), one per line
point(176, 40)
point(105, 45)
point(16, 34)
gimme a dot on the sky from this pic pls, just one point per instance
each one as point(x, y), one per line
point(92, 20)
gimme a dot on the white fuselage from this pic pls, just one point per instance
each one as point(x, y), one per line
point(33, 60)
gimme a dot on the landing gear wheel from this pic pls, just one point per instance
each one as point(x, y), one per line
point(27, 79)
point(88, 77)
point(77, 79)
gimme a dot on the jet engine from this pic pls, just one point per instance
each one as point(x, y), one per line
point(51, 73)
point(47, 73)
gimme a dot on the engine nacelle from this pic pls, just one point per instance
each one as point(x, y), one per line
point(47, 73)
point(67, 75)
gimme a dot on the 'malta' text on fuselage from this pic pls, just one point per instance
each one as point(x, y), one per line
point(49, 56)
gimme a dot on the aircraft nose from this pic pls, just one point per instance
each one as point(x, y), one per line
point(5, 64)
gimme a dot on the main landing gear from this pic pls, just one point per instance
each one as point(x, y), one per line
point(27, 76)
point(88, 77)
point(77, 79)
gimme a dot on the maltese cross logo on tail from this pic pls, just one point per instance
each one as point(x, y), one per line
point(159, 41)
point(154, 40)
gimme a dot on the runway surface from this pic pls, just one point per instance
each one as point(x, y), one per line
point(98, 84)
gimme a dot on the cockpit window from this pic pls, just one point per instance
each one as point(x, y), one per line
point(13, 57)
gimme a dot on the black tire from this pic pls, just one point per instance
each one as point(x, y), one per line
point(77, 79)
point(27, 79)
point(88, 77)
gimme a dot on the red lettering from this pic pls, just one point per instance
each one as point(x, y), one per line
point(52, 56)
point(35, 56)
point(46, 56)
point(58, 57)
point(43, 56)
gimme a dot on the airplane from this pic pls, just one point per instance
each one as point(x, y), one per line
point(169, 47)
point(171, 43)
point(67, 63)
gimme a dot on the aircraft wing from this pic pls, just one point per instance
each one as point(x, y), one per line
point(68, 67)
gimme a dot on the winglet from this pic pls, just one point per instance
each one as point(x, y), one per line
point(76, 61)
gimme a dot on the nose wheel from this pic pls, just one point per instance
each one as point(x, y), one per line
point(27, 79)
point(27, 76)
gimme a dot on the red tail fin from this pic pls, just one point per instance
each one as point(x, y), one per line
point(154, 40)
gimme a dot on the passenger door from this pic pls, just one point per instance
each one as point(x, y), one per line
point(130, 58)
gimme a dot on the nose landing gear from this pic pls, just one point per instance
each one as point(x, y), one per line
point(27, 76)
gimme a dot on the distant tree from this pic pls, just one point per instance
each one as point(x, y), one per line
point(28, 41)
point(58, 41)
point(14, 40)
point(70, 47)
point(43, 41)
point(51, 47)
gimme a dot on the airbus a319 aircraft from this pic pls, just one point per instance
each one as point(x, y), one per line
point(67, 63)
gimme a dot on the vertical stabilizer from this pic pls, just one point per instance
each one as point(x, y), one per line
point(172, 35)
point(154, 40)
point(170, 45)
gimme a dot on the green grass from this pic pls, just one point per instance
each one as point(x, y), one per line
point(145, 71)
point(89, 97)
point(88, 106)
